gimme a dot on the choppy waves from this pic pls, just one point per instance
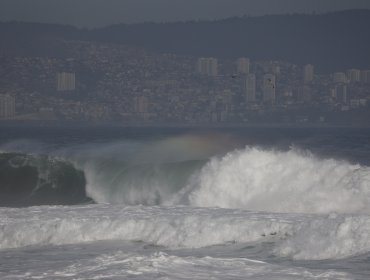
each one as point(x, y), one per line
point(185, 192)
point(176, 227)
point(299, 236)
point(328, 237)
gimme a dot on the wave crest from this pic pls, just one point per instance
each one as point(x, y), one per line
point(278, 181)
point(27, 180)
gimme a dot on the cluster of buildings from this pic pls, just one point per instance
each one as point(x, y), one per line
point(282, 87)
point(113, 83)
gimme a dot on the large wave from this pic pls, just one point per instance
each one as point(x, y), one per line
point(150, 172)
point(196, 171)
point(251, 178)
point(27, 180)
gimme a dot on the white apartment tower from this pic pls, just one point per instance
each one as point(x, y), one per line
point(340, 92)
point(141, 105)
point(7, 106)
point(66, 81)
point(308, 73)
point(365, 76)
point(243, 65)
point(354, 75)
point(250, 88)
point(207, 66)
point(269, 89)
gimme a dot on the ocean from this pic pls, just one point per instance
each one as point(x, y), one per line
point(181, 203)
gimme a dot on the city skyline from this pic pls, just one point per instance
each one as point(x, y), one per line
point(97, 13)
point(220, 72)
point(158, 89)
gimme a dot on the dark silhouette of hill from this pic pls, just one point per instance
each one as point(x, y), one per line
point(37, 39)
point(333, 41)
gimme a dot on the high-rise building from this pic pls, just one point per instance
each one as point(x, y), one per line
point(339, 77)
point(308, 73)
point(340, 92)
point(250, 88)
point(365, 76)
point(141, 105)
point(207, 66)
point(243, 65)
point(7, 106)
point(269, 89)
point(66, 81)
point(304, 94)
point(354, 75)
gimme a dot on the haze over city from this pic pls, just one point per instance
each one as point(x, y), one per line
point(204, 62)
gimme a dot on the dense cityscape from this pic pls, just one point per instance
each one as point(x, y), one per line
point(108, 83)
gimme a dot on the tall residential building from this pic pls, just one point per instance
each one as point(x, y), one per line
point(250, 88)
point(308, 73)
point(7, 106)
point(304, 94)
point(365, 76)
point(141, 105)
point(66, 81)
point(269, 89)
point(354, 75)
point(243, 65)
point(207, 66)
point(340, 92)
point(339, 77)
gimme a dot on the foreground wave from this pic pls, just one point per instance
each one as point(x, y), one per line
point(297, 236)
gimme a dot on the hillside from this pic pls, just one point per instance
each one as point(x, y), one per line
point(334, 41)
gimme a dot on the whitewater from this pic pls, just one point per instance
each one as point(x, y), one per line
point(179, 204)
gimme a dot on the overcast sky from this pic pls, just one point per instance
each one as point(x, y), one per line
point(94, 13)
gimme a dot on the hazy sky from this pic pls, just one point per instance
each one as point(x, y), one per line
point(90, 13)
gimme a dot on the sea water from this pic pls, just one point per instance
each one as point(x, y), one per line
point(150, 203)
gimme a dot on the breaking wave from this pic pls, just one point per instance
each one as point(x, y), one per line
point(275, 181)
point(187, 170)
point(173, 227)
point(27, 180)
point(252, 178)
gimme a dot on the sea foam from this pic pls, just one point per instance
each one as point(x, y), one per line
point(174, 227)
point(297, 236)
point(281, 181)
point(330, 237)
